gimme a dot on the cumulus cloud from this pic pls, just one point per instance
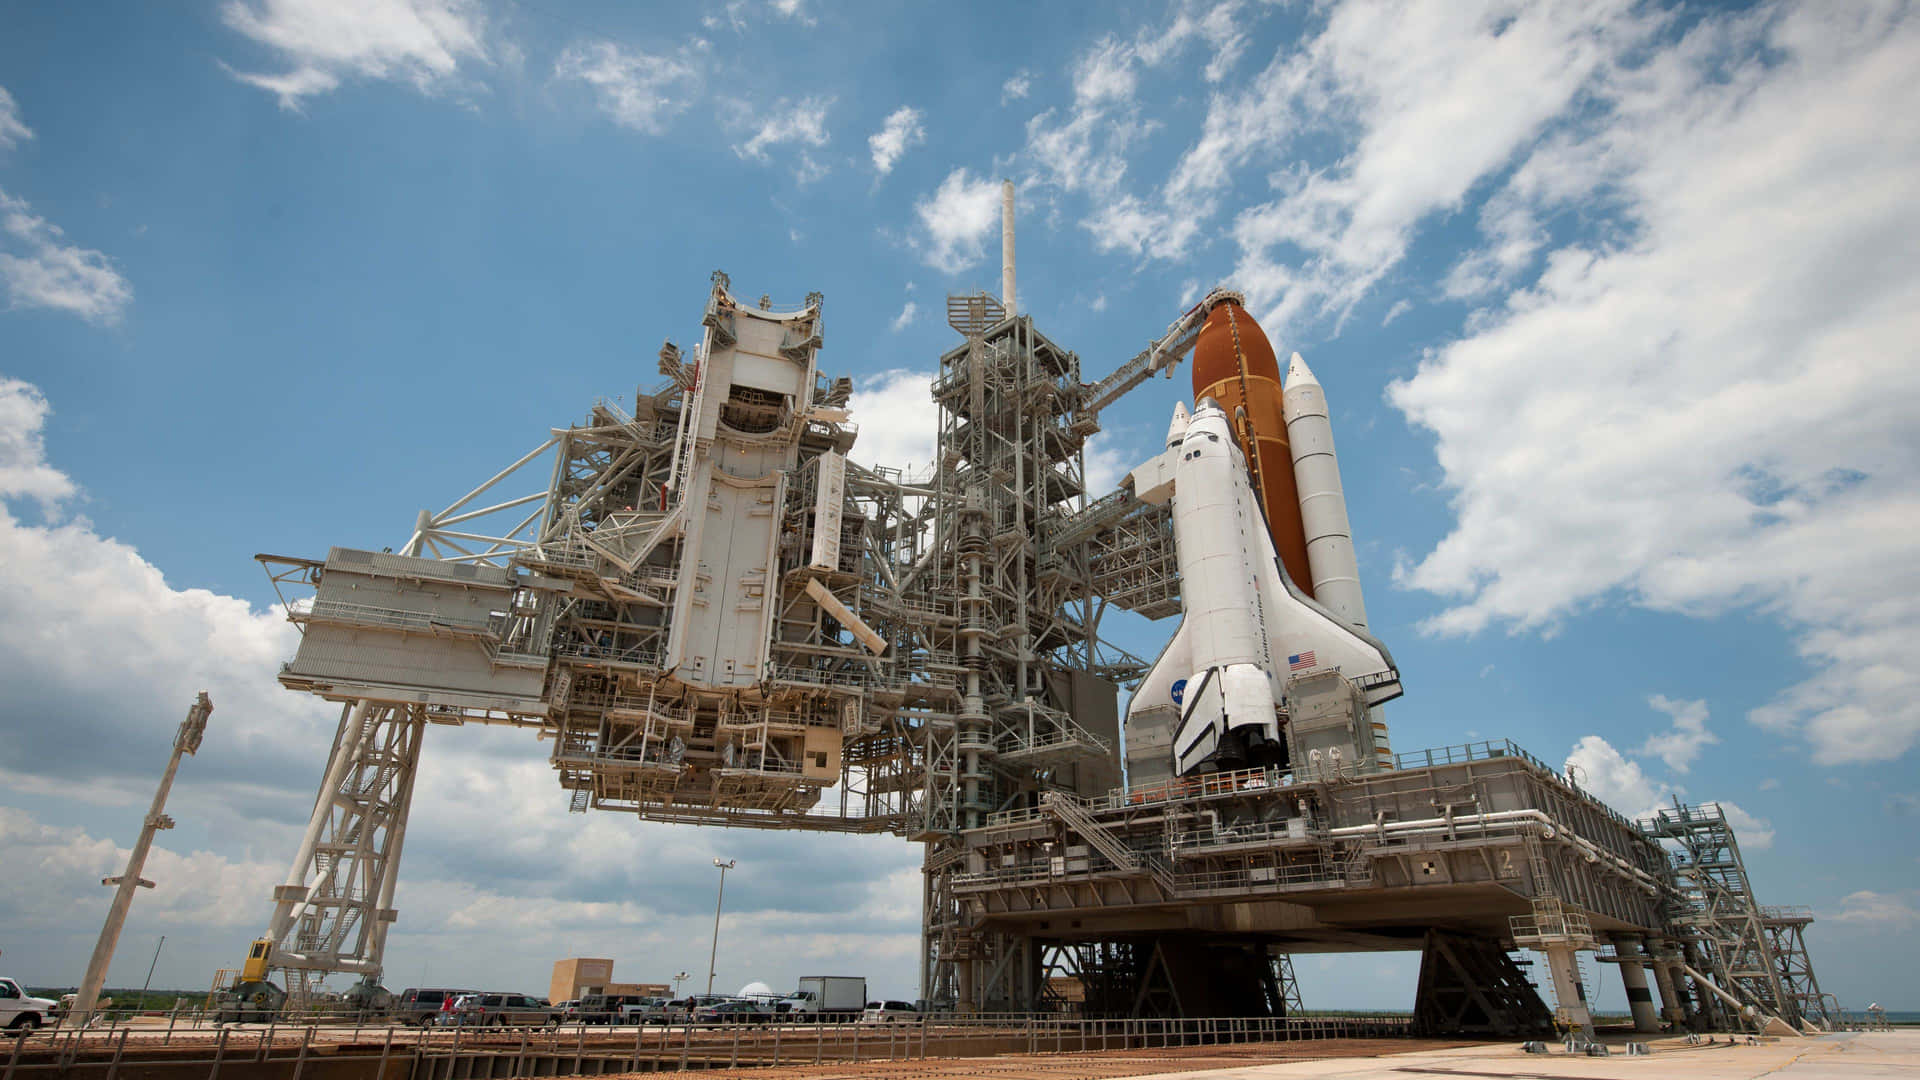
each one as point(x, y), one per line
point(957, 220)
point(1106, 461)
point(1624, 784)
point(899, 423)
point(422, 42)
point(13, 130)
point(1676, 481)
point(1618, 780)
point(24, 472)
point(69, 595)
point(1679, 746)
point(41, 269)
point(56, 870)
point(903, 129)
point(641, 91)
point(1016, 87)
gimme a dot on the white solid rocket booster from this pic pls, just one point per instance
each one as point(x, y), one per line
point(1323, 502)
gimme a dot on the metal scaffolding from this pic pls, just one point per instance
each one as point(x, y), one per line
point(715, 617)
point(1716, 923)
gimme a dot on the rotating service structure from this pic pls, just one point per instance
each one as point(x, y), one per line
point(714, 616)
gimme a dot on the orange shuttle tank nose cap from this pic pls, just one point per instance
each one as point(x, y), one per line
point(1233, 363)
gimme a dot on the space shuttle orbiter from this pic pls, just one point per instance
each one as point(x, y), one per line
point(1254, 650)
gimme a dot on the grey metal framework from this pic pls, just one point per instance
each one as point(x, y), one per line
point(1722, 933)
point(1786, 929)
point(715, 617)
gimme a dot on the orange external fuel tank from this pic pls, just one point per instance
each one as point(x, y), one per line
point(1233, 363)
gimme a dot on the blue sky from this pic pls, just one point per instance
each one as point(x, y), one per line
point(1614, 303)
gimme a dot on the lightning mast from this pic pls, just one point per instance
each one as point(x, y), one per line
point(186, 741)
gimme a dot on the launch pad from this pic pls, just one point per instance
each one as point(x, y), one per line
point(716, 617)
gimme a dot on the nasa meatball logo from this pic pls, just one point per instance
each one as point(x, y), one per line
point(1180, 692)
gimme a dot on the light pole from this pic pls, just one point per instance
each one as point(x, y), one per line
point(677, 980)
point(150, 967)
point(714, 954)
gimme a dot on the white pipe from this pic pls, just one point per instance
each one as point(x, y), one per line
point(1006, 245)
point(1429, 824)
point(1552, 830)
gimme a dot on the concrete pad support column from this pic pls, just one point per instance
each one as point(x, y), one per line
point(1633, 974)
point(1563, 963)
point(1672, 1006)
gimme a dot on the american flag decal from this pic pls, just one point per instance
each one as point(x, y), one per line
point(1302, 662)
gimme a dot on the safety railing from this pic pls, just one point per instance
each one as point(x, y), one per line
point(392, 618)
point(189, 1044)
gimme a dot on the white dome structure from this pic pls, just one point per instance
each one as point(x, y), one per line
point(756, 988)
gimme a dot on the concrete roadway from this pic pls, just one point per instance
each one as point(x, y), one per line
point(1844, 1056)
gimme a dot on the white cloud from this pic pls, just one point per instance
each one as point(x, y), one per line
point(902, 320)
point(12, 129)
point(957, 219)
point(639, 90)
point(1689, 735)
point(1770, 784)
point(1106, 463)
point(902, 130)
point(1399, 308)
point(1106, 73)
point(1875, 909)
point(1752, 272)
point(69, 595)
point(56, 870)
point(802, 123)
point(1085, 148)
point(24, 472)
point(1016, 87)
point(41, 270)
point(734, 14)
point(1099, 303)
point(1619, 781)
point(1512, 67)
point(730, 15)
point(792, 9)
point(899, 423)
point(1753, 833)
point(422, 42)
point(1514, 236)
point(1623, 784)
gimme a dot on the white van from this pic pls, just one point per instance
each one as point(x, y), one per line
point(21, 1012)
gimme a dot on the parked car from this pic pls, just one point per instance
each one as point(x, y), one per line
point(607, 1008)
point(422, 1007)
point(732, 1012)
point(568, 1011)
point(21, 1012)
point(890, 1012)
point(653, 1010)
point(498, 1010)
point(674, 1011)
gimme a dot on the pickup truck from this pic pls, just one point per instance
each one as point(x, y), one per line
point(656, 1010)
point(21, 1012)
